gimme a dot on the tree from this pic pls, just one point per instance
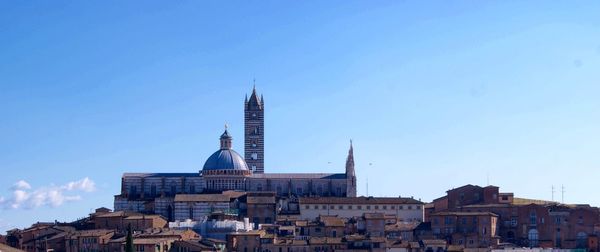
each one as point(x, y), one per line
point(129, 240)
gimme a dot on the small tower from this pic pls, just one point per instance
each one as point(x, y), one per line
point(226, 140)
point(350, 174)
point(254, 132)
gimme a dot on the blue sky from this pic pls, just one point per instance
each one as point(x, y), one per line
point(435, 94)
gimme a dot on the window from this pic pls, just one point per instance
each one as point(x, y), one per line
point(153, 190)
point(192, 189)
point(557, 220)
point(253, 168)
point(376, 207)
point(316, 207)
point(393, 207)
point(448, 220)
point(340, 207)
point(533, 218)
point(350, 207)
point(384, 207)
point(254, 144)
point(299, 190)
point(368, 207)
point(400, 207)
point(533, 237)
point(464, 221)
point(513, 221)
point(409, 207)
point(133, 190)
point(306, 207)
point(173, 188)
point(259, 187)
point(331, 207)
point(254, 156)
point(359, 207)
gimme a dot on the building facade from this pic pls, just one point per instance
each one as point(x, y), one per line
point(404, 209)
point(227, 170)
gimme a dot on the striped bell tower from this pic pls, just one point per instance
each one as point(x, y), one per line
point(254, 132)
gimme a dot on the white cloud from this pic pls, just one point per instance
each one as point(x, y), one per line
point(85, 184)
point(23, 197)
point(21, 185)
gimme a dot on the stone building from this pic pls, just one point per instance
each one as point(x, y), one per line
point(468, 229)
point(404, 209)
point(525, 222)
point(225, 169)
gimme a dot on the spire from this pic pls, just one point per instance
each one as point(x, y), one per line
point(254, 101)
point(350, 161)
point(226, 139)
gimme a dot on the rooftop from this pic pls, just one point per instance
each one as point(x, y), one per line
point(358, 200)
point(464, 214)
point(149, 175)
point(201, 198)
point(300, 175)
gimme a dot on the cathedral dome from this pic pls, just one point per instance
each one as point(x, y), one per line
point(225, 158)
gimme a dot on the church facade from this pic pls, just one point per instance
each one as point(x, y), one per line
point(227, 171)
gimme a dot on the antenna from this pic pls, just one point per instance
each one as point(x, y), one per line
point(488, 178)
point(368, 181)
point(552, 192)
point(562, 190)
point(367, 186)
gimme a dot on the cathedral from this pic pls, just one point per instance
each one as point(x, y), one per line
point(227, 171)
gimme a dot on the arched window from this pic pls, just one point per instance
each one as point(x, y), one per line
point(153, 190)
point(533, 237)
point(173, 188)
